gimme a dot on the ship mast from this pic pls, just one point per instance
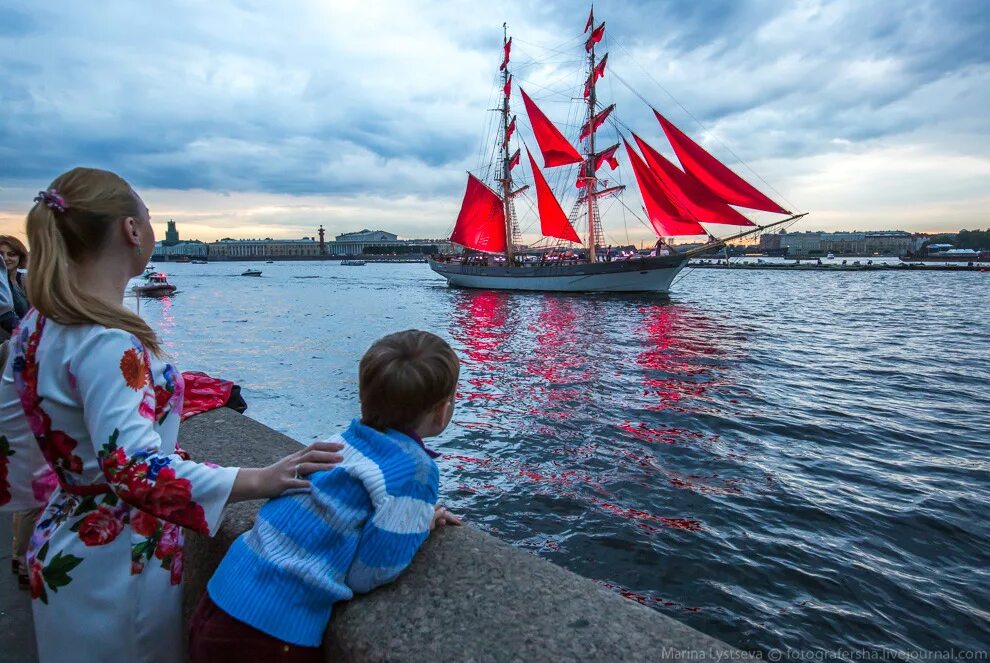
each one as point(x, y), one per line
point(506, 178)
point(589, 164)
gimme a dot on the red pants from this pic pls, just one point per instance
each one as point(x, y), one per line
point(216, 637)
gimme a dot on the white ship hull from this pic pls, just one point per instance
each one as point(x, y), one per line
point(646, 275)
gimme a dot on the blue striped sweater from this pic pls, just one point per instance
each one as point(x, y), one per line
point(357, 528)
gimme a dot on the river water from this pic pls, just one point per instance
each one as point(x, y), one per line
point(778, 459)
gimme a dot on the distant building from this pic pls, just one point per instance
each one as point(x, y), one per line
point(164, 251)
point(882, 242)
point(367, 236)
point(364, 242)
point(171, 234)
point(235, 249)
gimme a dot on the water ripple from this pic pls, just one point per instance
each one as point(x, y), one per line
point(778, 459)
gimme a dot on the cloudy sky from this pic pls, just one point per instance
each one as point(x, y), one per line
point(249, 119)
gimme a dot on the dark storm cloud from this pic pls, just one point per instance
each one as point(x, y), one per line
point(303, 99)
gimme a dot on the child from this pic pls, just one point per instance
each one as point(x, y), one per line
point(357, 528)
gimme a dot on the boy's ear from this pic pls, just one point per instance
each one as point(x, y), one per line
point(440, 414)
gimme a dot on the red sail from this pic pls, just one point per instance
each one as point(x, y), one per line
point(591, 19)
point(557, 151)
point(700, 203)
point(507, 88)
point(596, 122)
point(553, 221)
point(715, 175)
point(481, 223)
point(505, 60)
point(666, 219)
point(514, 160)
point(596, 36)
point(511, 130)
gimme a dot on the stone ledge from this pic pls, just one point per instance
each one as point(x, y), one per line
point(466, 597)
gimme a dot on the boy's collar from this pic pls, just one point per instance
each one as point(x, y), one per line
point(411, 433)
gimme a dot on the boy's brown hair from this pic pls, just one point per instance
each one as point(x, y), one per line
point(403, 376)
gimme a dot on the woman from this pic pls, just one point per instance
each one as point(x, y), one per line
point(15, 256)
point(87, 380)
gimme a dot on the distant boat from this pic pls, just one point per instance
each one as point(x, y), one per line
point(156, 286)
point(200, 262)
point(251, 272)
point(184, 259)
point(352, 263)
point(831, 256)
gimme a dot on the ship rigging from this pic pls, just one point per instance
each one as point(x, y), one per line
point(676, 200)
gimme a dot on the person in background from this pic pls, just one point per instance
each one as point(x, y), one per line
point(8, 318)
point(272, 595)
point(87, 393)
point(15, 256)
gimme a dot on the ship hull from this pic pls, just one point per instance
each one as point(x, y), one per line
point(644, 275)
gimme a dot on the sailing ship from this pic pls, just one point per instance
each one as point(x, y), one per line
point(676, 201)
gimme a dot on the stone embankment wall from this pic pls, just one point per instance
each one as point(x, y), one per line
point(466, 597)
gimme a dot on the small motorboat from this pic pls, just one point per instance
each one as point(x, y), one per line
point(251, 272)
point(830, 256)
point(200, 262)
point(269, 262)
point(156, 286)
point(352, 263)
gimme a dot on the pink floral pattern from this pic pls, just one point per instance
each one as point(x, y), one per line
point(125, 503)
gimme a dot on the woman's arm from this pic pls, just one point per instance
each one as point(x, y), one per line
point(110, 370)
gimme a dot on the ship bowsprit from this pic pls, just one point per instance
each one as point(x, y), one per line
point(651, 274)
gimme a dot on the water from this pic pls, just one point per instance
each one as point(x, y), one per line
point(777, 459)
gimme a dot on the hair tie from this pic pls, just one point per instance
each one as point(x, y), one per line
point(52, 200)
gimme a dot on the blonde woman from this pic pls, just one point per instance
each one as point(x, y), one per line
point(87, 392)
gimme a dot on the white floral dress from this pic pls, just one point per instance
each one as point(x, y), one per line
point(106, 555)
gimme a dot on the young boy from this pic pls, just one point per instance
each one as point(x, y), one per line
point(357, 528)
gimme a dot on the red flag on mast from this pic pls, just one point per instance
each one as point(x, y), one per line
point(595, 75)
point(481, 223)
point(591, 20)
point(595, 122)
point(596, 36)
point(664, 216)
point(511, 130)
point(553, 221)
point(505, 59)
point(609, 156)
point(556, 149)
point(690, 195)
point(713, 174)
point(507, 88)
point(514, 160)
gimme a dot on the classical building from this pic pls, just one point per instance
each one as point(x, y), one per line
point(367, 236)
point(269, 249)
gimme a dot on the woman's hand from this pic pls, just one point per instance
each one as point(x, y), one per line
point(442, 518)
point(286, 474)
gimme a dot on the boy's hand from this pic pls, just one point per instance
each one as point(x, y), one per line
point(442, 517)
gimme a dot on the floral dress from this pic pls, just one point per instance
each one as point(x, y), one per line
point(97, 448)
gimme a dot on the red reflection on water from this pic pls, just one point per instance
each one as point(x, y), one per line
point(687, 524)
point(480, 324)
